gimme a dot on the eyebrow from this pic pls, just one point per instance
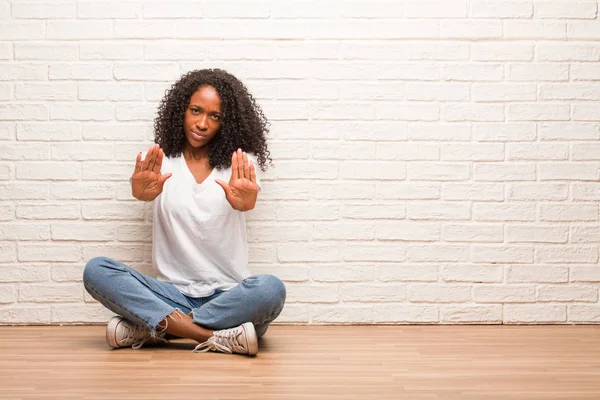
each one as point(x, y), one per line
point(197, 106)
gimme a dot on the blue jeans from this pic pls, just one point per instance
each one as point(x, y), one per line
point(146, 301)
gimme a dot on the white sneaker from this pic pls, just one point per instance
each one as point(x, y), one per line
point(241, 340)
point(122, 333)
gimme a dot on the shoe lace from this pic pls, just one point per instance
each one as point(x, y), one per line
point(225, 341)
point(138, 335)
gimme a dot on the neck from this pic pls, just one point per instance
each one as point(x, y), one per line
point(196, 154)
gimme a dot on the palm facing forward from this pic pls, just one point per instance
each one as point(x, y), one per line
point(242, 190)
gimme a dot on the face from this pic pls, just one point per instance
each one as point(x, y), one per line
point(203, 116)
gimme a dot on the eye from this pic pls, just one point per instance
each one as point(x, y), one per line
point(216, 117)
point(195, 111)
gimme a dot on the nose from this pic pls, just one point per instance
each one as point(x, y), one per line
point(202, 122)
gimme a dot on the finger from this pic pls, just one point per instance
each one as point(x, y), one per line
point(225, 187)
point(246, 166)
point(152, 160)
point(138, 163)
point(162, 179)
point(252, 173)
point(159, 160)
point(146, 159)
point(234, 166)
point(240, 162)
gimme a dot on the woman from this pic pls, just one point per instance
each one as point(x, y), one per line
point(202, 175)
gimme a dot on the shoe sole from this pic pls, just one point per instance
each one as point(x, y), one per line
point(252, 340)
point(111, 330)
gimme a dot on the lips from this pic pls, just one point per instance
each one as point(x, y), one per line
point(198, 135)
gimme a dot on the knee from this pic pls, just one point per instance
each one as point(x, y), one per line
point(94, 270)
point(273, 287)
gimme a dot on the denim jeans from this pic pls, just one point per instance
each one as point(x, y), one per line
point(146, 301)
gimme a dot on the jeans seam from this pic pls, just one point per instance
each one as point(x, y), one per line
point(116, 306)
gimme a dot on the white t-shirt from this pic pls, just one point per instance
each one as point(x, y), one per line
point(199, 240)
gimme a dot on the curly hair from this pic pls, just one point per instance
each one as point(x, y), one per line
point(243, 123)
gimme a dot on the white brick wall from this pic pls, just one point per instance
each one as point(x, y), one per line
point(435, 161)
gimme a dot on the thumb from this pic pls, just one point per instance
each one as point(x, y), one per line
point(225, 187)
point(163, 178)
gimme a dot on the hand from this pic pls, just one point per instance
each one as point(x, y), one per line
point(242, 190)
point(146, 181)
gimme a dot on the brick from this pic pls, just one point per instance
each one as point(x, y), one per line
point(537, 191)
point(8, 252)
point(438, 171)
point(112, 211)
point(504, 293)
point(568, 212)
point(47, 132)
point(505, 132)
point(123, 253)
point(429, 253)
point(341, 314)
point(583, 313)
point(23, 72)
point(585, 112)
point(22, 30)
point(294, 313)
point(81, 191)
point(19, 314)
point(501, 9)
point(471, 314)
point(7, 212)
point(501, 52)
point(346, 151)
point(374, 252)
point(372, 292)
point(503, 92)
point(78, 231)
point(133, 233)
point(472, 233)
point(48, 171)
point(473, 191)
point(291, 210)
point(473, 152)
point(536, 234)
point(407, 151)
point(532, 152)
point(309, 252)
point(470, 29)
point(399, 112)
point(135, 112)
point(527, 72)
point(538, 112)
point(24, 232)
point(438, 211)
point(78, 30)
point(534, 313)
point(435, 91)
point(104, 51)
point(501, 254)
point(504, 172)
point(569, 131)
point(144, 29)
point(586, 273)
point(472, 72)
point(472, 112)
point(37, 10)
point(121, 132)
point(369, 170)
point(439, 132)
point(22, 112)
point(407, 231)
point(585, 234)
point(8, 293)
point(24, 273)
point(567, 254)
point(110, 92)
point(585, 151)
point(342, 273)
point(472, 273)
point(81, 112)
point(86, 313)
point(312, 293)
point(343, 231)
point(585, 72)
point(567, 293)
point(345, 190)
point(560, 9)
point(536, 274)
point(49, 252)
point(46, 51)
point(407, 273)
point(436, 293)
point(49, 211)
point(543, 30)
point(435, 9)
point(25, 151)
point(573, 51)
point(108, 9)
point(23, 191)
point(406, 313)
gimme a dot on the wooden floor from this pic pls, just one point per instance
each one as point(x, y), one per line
point(308, 362)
